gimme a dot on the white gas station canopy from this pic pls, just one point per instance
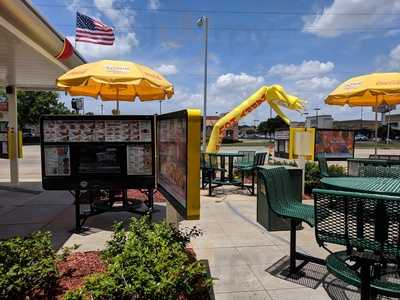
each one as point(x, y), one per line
point(28, 46)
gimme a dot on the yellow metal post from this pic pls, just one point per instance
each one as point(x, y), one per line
point(13, 136)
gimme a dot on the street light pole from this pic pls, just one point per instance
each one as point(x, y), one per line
point(203, 21)
point(388, 129)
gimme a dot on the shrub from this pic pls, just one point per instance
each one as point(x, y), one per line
point(147, 261)
point(230, 140)
point(291, 163)
point(312, 176)
point(27, 266)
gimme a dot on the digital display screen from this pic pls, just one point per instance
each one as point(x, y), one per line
point(99, 159)
point(334, 144)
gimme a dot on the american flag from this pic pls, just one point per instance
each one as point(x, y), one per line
point(91, 30)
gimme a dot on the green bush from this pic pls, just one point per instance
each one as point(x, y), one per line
point(291, 163)
point(147, 261)
point(27, 266)
point(312, 176)
point(230, 140)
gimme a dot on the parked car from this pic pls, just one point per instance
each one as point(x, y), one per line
point(361, 138)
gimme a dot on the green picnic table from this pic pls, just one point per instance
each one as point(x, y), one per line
point(372, 185)
point(230, 156)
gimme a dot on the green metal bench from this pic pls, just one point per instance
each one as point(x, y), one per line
point(368, 226)
point(259, 160)
point(282, 201)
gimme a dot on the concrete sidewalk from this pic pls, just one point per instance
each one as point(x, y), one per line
point(244, 258)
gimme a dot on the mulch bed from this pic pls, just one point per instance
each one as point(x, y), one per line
point(75, 268)
point(78, 265)
point(136, 194)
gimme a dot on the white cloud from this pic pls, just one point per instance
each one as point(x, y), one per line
point(391, 61)
point(154, 4)
point(167, 69)
point(352, 14)
point(237, 81)
point(316, 84)
point(118, 12)
point(307, 69)
point(123, 45)
point(170, 45)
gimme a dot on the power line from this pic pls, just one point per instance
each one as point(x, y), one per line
point(314, 28)
point(208, 11)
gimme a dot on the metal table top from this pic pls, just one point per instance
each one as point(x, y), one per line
point(373, 185)
point(227, 154)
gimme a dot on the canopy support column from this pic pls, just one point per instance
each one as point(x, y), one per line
point(13, 127)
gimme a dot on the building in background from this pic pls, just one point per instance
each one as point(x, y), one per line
point(324, 121)
point(232, 132)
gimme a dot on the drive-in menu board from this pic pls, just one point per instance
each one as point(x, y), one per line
point(178, 149)
point(172, 147)
point(106, 150)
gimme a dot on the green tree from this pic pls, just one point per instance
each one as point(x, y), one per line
point(271, 125)
point(31, 105)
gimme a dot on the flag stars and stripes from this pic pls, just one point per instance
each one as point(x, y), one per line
point(92, 30)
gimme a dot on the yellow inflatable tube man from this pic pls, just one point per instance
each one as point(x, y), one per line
point(274, 95)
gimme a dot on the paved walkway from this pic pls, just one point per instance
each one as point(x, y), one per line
point(243, 257)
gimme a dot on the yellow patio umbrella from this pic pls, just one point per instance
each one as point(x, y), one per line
point(373, 90)
point(116, 81)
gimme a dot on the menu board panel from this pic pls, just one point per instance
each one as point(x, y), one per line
point(140, 130)
point(334, 144)
point(98, 152)
point(60, 131)
point(172, 145)
point(57, 161)
point(139, 160)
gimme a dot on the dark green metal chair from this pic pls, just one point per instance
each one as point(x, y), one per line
point(259, 160)
point(204, 167)
point(323, 166)
point(368, 226)
point(246, 160)
point(282, 201)
point(213, 167)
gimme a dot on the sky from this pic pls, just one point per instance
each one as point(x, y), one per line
point(307, 46)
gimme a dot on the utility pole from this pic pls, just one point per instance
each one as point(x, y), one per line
point(203, 22)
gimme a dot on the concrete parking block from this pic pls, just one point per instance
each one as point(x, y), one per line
point(235, 279)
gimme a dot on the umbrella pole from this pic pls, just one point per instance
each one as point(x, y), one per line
point(376, 126)
point(117, 107)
